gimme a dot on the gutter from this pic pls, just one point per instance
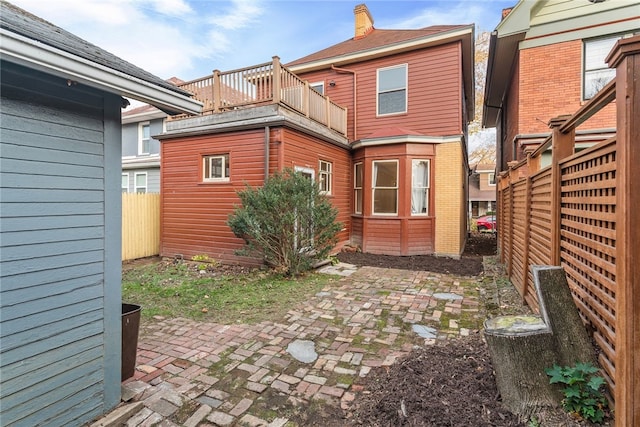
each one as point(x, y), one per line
point(30, 53)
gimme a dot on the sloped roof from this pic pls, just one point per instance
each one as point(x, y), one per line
point(37, 43)
point(374, 39)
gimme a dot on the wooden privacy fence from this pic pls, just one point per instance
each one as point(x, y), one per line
point(583, 212)
point(140, 225)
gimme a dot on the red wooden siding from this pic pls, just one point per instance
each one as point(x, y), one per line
point(402, 234)
point(194, 214)
point(305, 151)
point(434, 92)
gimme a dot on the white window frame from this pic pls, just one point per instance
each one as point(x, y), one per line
point(125, 189)
point(142, 139)
point(315, 85)
point(601, 68)
point(325, 176)
point(146, 182)
point(426, 189)
point(358, 189)
point(491, 182)
point(405, 88)
point(374, 188)
point(207, 159)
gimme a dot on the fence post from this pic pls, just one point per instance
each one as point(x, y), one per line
point(527, 229)
point(306, 98)
point(625, 57)
point(277, 80)
point(561, 147)
point(217, 96)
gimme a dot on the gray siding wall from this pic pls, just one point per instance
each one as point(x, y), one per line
point(59, 250)
point(153, 179)
point(130, 137)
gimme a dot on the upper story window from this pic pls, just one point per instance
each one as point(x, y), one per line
point(420, 187)
point(144, 140)
point(141, 182)
point(385, 187)
point(357, 188)
point(125, 182)
point(319, 87)
point(325, 175)
point(492, 179)
point(215, 168)
point(392, 90)
point(596, 72)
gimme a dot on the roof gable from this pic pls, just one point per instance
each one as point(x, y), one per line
point(373, 40)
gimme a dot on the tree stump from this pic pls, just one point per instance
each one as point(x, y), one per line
point(522, 347)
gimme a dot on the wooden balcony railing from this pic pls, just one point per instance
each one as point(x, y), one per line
point(268, 83)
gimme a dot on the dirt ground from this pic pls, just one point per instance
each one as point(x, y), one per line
point(470, 264)
point(442, 385)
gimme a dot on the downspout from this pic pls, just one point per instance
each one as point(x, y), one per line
point(355, 98)
point(267, 131)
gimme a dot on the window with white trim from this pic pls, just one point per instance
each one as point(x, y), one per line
point(125, 182)
point(596, 72)
point(140, 182)
point(325, 176)
point(420, 187)
point(385, 187)
point(215, 168)
point(319, 87)
point(358, 177)
point(392, 90)
point(144, 140)
point(492, 179)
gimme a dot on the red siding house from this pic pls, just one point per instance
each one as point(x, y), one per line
point(379, 120)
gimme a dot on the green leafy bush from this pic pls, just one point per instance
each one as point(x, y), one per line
point(582, 391)
point(288, 221)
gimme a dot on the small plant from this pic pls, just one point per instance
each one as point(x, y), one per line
point(582, 391)
point(204, 261)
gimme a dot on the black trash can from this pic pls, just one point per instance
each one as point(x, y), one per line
point(130, 326)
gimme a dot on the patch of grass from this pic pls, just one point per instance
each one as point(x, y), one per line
point(173, 291)
point(382, 320)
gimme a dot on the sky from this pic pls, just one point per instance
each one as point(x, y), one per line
point(188, 39)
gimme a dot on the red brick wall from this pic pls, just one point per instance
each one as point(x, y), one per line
point(551, 85)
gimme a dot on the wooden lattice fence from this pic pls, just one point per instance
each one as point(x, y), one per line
point(581, 212)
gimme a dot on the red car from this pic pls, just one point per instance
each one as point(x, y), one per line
point(486, 223)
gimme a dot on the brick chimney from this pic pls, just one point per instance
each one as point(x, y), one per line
point(506, 11)
point(364, 21)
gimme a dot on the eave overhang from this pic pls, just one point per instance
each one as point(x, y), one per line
point(405, 139)
point(503, 50)
point(33, 54)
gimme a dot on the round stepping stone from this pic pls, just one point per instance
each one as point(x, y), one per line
point(303, 351)
point(424, 331)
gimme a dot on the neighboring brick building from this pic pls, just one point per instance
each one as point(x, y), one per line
point(545, 59)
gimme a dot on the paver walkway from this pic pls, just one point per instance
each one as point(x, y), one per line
point(205, 374)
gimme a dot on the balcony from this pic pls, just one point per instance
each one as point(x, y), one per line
point(268, 83)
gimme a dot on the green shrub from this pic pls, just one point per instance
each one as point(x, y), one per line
point(582, 394)
point(288, 221)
